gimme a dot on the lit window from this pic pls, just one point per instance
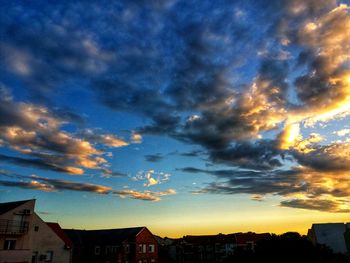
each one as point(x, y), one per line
point(97, 250)
point(9, 244)
point(151, 248)
point(140, 249)
point(144, 248)
point(153, 261)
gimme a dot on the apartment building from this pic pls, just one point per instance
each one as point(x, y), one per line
point(25, 237)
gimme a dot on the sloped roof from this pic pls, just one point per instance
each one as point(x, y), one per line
point(60, 233)
point(102, 237)
point(5, 207)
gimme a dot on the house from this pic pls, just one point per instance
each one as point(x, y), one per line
point(250, 239)
point(126, 245)
point(25, 237)
point(331, 235)
point(207, 248)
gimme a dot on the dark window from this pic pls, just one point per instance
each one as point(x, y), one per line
point(36, 228)
point(97, 250)
point(151, 248)
point(10, 244)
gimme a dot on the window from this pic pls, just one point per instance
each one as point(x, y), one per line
point(145, 261)
point(97, 250)
point(151, 248)
point(108, 248)
point(114, 249)
point(140, 249)
point(127, 248)
point(9, 244)
point(153, 261)
point(49, 256)
point(140, 261)
point(36, 228)
point(144, 248)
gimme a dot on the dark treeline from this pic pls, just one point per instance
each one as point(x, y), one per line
point(288, 247)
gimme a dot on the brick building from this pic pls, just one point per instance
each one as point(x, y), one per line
point(126, 245)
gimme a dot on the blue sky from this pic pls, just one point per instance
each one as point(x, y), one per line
point(185, 116)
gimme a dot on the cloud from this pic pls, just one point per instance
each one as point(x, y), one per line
point(201, 73)
point(154, 157)
point(107, 139)
point(261, 155)
point(145, 195)
point(319, 205)
point(333, 157)
point(151, 177)
point(45, 184)
point(136, 138)
point(194, 153)
point(342, 132)
point(37, 133)
point(300, 187)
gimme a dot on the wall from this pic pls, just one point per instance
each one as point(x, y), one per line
point(45, 239)
point(22, 250)
point(331, 235)
point(146, 237)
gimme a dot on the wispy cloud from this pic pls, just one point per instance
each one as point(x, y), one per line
point(153, 158)
point(45, 184)
point(145, 195)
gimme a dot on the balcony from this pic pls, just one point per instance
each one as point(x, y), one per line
point(13, 227)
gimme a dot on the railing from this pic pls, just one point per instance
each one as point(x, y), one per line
point(13, 227)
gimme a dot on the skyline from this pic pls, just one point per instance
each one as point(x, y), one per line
point(188, 117)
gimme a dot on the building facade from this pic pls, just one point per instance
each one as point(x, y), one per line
point(332, 235)
point(126, 245)
point(25, 237)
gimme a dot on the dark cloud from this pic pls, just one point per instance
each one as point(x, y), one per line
point(154, 157)
point(35, 163)
point(334, 157)
point(261, 155)
point(252, 182)
point(194, 153)
point(319, 205)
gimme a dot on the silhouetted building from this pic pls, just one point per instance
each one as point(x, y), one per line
point(249, 240)
point(126, 245)
point(331, 235)
point(25, 237)
point(209, 248)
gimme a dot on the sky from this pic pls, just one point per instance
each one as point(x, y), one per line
point(185, 116)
